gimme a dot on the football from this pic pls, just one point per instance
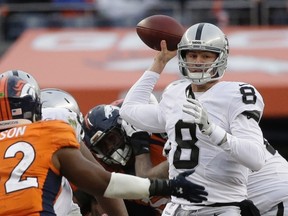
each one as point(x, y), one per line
point(153, 29)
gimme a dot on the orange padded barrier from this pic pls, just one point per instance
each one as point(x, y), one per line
point(99, 65)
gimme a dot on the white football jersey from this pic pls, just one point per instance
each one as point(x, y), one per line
point(64, 204)
point(223, 170)
point(269, 186)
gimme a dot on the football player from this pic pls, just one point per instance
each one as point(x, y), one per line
point(61, 105)
point(212, 125)
point(120, 147)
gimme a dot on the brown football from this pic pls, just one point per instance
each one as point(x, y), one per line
point(153, 29)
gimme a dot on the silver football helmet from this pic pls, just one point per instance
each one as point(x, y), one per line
point(25, 76)
point(54, 97)
point(204, 37)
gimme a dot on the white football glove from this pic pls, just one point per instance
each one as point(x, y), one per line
point(198, 116)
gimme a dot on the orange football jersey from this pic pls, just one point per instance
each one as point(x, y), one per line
point(156, 149)
point(29, 182)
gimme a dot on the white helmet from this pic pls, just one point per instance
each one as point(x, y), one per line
point(54, 97)
point(204, 37)
point(25, 76)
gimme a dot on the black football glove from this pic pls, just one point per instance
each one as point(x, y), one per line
point(179, 187)
point(140, 142)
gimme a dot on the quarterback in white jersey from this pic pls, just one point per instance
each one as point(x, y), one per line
point(64, 205)
point(212, 126)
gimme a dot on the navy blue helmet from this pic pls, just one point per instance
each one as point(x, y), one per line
point(105, 136)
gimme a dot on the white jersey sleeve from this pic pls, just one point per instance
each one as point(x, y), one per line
point(64, 206)
point(242, 106)
point(136, 108)
point(269, 186)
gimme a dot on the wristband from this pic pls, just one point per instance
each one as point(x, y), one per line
point(218, 135)
point(127, 187)
point(160, 187)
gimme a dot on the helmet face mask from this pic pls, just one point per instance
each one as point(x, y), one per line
point(199, 71)
point(203, 37)
point(111, 146)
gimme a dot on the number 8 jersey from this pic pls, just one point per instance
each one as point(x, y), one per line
point(29, 182)
point(233, 106)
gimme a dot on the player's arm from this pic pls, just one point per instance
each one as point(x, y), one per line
point(144, 168)
point(136, 108)
point(96, 181)
point(87, 154)
point(162, 58)
point(110, 206)
point(140, 142)
point(142, 164)
point(246, 137)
